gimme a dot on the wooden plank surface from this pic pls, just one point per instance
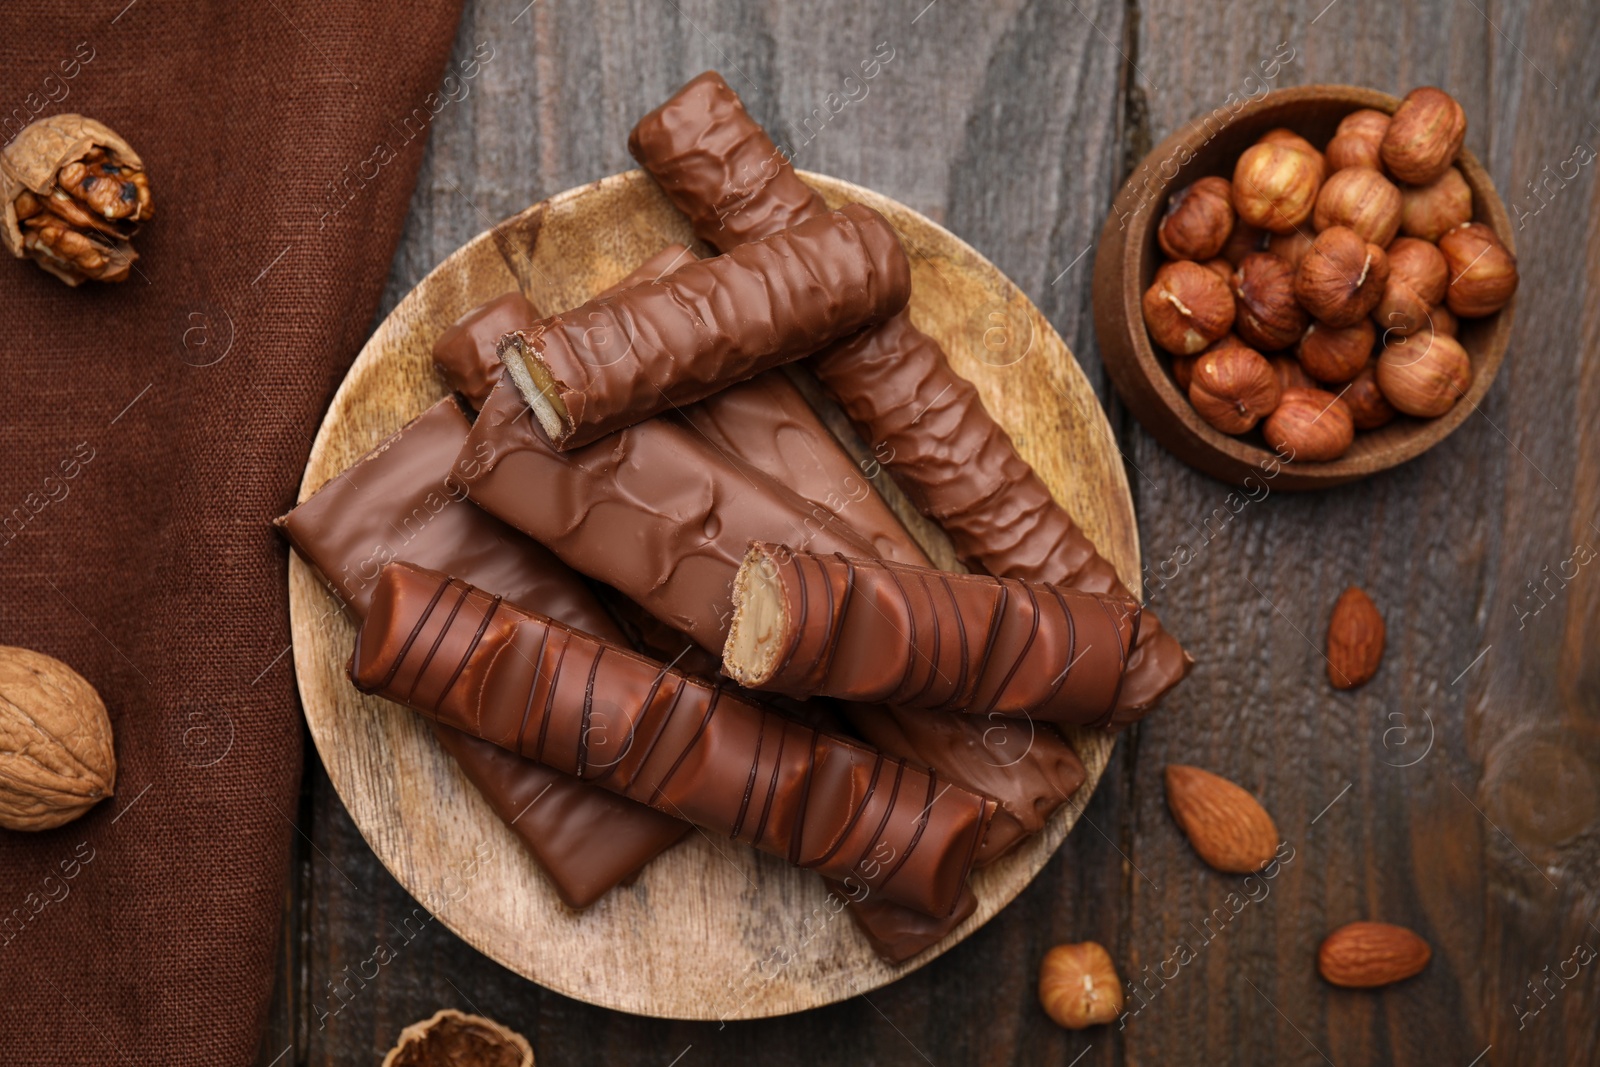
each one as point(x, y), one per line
point(1012, 124)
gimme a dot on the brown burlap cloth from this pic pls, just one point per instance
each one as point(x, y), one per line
point(183, 402)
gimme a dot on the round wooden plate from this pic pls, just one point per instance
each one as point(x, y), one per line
point(710, 930)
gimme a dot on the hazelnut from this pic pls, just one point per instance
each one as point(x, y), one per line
point(1275, 186)
point(1284, 136)
point(1233, 387)
point(1291, 375)
point(1342, 278)
point(1356, 142)
point(1421, 265)
point(1310, 425)
point(1443, 321)
point(1223, 268)
point(1079, 987)
point(1267, 317)
point(1183, 371)
point(1483, 273)
point(1244, 240)
point(1198, 221)
point(1429, 211)
point(1424, 374)
point(1424, 136)
point(1368, 409)
point(1290, 247)
point(1363, 200)
point(1417, 278)
point(1187, 307)
point(1401, 310)
point(1336, 354)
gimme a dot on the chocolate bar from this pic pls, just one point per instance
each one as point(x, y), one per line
point(664, 517)
point(913, 637)
point(956, 464)
point(687, 748)
point(464, 354)
point(620, 359)
point(897, 933)
point(406, 499)
point(655, 511)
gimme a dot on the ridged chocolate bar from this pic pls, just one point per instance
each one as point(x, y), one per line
point(406, 499)
point(465, 354)
point(956, 464)
point(622, 358)
point(912, 637)
point(686, 748)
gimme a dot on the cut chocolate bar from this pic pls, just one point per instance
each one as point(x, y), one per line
point(956, 464)
point(406, 499)
point(465, 354)
point(662, 516)
point(685, 747)
point(622, 358)
point(913, 637)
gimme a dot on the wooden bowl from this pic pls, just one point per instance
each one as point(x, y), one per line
point(710, 930)
point(1126, 262)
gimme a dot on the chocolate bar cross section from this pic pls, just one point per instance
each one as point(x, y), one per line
point(807, 624)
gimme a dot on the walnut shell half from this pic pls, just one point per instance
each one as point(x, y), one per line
point(56, 759)
point(455, 1039)
point(72, 194)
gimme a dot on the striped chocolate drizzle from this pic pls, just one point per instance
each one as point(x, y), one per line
point(469, 655)
point(931, 640)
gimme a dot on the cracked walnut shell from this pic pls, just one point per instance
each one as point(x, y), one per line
point(452, 1038)
point(56, 759)
point(73, 195)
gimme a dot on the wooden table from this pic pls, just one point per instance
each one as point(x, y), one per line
point(1457, 794)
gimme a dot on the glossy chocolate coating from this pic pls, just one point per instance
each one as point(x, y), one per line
point(913, 637)
point(620, 359)
point(660, 514)
point(720, 168)
point(465, 353)
point(898, 933)
point(683, 746)
point(655, 511)
point(767, 423)
point(405, 499)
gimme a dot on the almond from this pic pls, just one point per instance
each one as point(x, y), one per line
point(1355, 640)
point(1363, 955)
point(1226, 825)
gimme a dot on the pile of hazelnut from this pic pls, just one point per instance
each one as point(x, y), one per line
point(1319, 290)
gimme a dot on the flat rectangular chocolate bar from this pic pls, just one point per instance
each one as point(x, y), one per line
point(406, 499)
point(913, 637)
point(622, 358)
point(956, 464)
point(685, 747)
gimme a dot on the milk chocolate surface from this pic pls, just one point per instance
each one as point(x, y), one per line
point(655, 511)
point(913, 637)
point(662, 516)
point(719, 167)
point(722, 170)
point(406, 499)
point(465, 353)
point(622, 358)
point(897, 933)
point(687, 748)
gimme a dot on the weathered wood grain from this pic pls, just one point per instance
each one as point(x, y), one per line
point(1473, 846)
point(1013, 124)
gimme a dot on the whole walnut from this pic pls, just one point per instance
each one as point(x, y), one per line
point(56, 758)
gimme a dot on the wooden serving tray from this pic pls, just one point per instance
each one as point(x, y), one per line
point(711, 930)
